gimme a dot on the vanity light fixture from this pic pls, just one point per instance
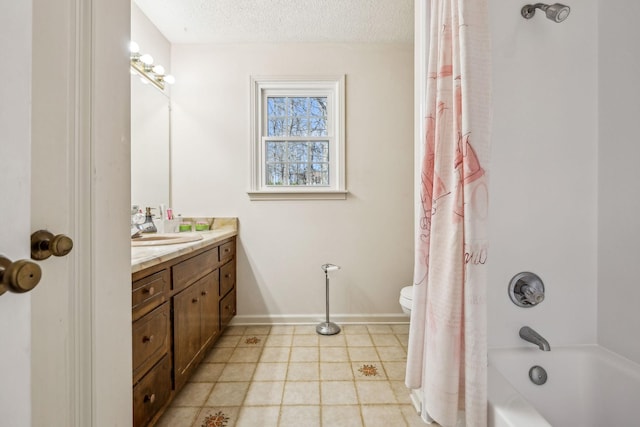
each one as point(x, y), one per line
point(143, 65)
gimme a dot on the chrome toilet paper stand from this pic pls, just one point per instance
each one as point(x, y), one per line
point(328, 327)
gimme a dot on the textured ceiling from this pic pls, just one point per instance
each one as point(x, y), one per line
point(237, 21)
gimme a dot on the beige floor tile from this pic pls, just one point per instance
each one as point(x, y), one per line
point(245, 355)
point(270, 372)
point(359, 340)
point(237, 372)
point(412, 417)
point(355, 329)
point(282, 330)
point(235, 330)
point(379, 329)
point(279, 341)
point(258, 416)
point(227, 394)
point(178, 417)
point(404, 339)
point(303, 371)
point(207, 373)
point(217, 417)
point(264, 393)
point(219, 354)
point(332, 341)
point(375, 392)
point(341, 416)
point(338, 393)
point(305, 330)
point(257, 330)
point(392, 354)
point(395, 370)
point(305, 340)
point(382, 416)
point(401, 391)
point(251, 340)
point(193, 394)
point(334, 354)
point(363, 354)
point(275, 354)
point(304, 354)
point(336, 371)
point(297, 416)
point(400, 329)
point(385, 340)
point(368, 371)
point(301, 393)
point(228, 341)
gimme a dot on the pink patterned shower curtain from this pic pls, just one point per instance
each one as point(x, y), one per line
point(447, 358)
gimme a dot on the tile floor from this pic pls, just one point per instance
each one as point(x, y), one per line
point(280, 376)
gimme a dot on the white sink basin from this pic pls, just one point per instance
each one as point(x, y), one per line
point(157, 239)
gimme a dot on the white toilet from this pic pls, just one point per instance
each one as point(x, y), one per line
point(406, 299)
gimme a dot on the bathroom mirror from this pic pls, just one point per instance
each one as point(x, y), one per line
point(150, 145)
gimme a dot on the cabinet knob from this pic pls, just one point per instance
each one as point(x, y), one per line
point(226, 276)
point(19, 277)
point(147, 339)
point(150, 290)
point(195, 300)
point(150, 399)
point(44, 244)
point(204, 293)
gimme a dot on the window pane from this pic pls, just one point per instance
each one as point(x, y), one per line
point(277, 127)
point(276, 174)
point(318, 106)
point(299, 126)
point(298, 174)
point(319, 174)
point(275, 151)
point(276, 106)
point(298, 106)
point(319, 151)
point(298, 151)
point(318, 126)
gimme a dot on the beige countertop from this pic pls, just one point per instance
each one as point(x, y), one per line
point(147, 256)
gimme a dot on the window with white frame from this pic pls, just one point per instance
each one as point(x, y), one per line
point(297, 138)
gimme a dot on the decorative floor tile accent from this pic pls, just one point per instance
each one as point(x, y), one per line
point(368, 370)
point(219, 419)
point(252, 340)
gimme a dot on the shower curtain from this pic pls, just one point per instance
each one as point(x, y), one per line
point(447, 357)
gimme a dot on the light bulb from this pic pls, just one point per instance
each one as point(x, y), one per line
point(158, 69)
point(133, 47)
point(146, 59)
point(144, 81)
point(169, 79)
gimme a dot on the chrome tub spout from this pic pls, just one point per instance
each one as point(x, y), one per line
point(528, 334)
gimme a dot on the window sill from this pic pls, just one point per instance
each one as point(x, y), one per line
point(298, 195)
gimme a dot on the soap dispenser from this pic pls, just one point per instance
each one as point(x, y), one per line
point(148, 226)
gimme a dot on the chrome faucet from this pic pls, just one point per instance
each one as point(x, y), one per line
point(528, 334)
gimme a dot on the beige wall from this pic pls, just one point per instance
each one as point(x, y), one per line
point(283, 243)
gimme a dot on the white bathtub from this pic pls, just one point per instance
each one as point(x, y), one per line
point(587, 386)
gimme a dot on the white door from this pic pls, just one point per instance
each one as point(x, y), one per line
point(64, 166)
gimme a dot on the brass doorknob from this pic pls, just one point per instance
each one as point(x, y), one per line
point(44, 244)
point(20, 276)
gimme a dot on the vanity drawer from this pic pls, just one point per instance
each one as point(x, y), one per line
point(152, 392)
point(149, 292)
point(227, 308)
point(227, 250)
point(150, 338)
point(227, 277)
point(189, 271)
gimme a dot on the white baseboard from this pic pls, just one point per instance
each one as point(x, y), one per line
point(310, 319)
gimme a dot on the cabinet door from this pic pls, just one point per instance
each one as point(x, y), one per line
point(210, 325)
point(186, 329)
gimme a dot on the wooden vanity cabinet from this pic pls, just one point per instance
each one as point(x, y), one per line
point(179, 309)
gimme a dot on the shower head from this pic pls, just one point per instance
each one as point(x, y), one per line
point(556, 12)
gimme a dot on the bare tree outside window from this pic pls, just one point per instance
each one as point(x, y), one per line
point(300, 155)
